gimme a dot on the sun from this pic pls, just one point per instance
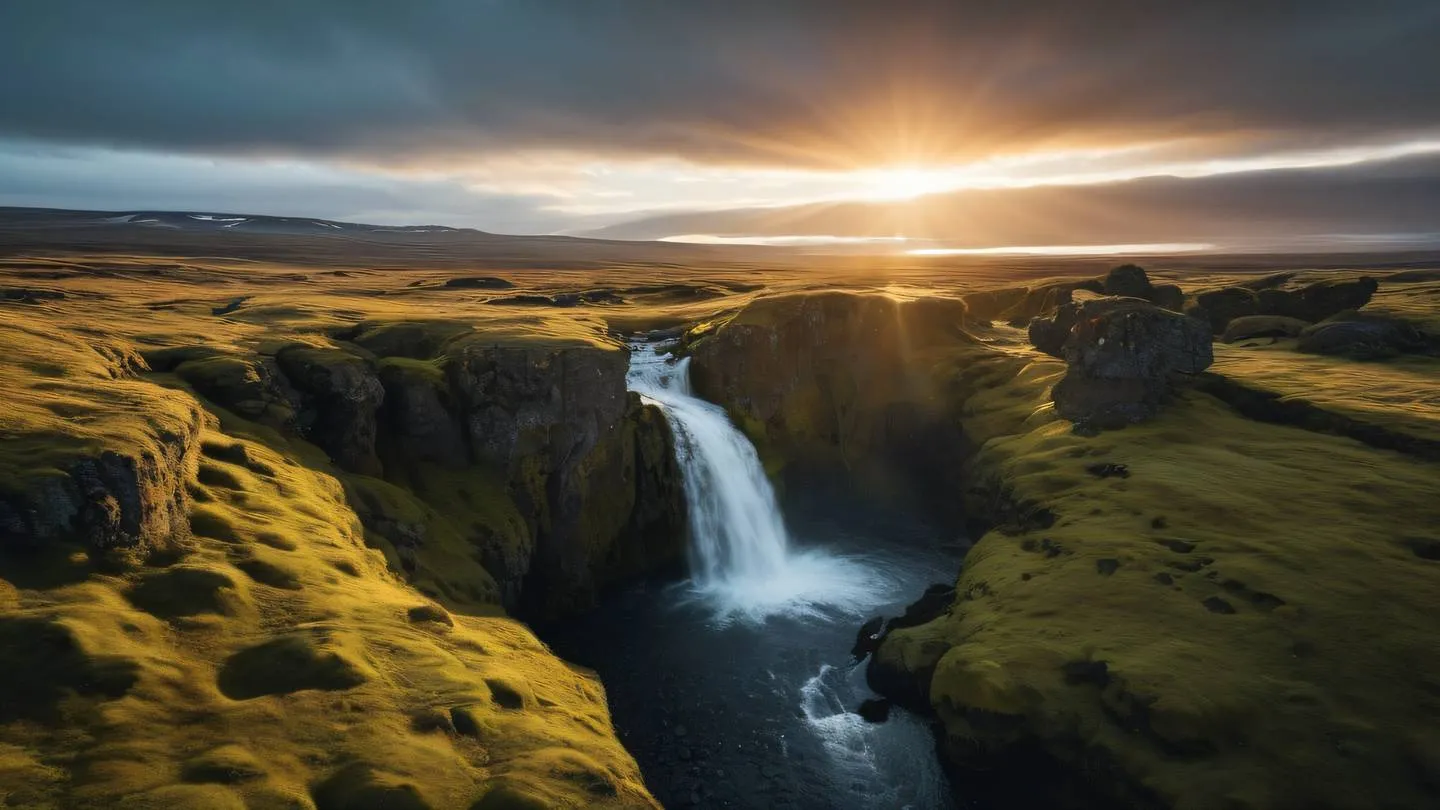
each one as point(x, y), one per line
point(904, 183)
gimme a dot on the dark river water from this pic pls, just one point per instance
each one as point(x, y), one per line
point(758, 713)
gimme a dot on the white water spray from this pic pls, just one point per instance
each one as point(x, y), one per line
point(740, 556)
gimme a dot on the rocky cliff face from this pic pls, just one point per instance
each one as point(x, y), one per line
point(836, 380)
point(79, 471)
point(569, 439)
point(109, 500)
point(571, 480)
point(518, 472)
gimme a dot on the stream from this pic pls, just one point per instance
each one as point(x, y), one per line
point(735, 687)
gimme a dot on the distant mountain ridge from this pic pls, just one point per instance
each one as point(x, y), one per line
point(333, 243)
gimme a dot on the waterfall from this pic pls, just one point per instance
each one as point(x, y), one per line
point(740, 555)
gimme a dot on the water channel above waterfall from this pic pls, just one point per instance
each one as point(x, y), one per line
point(734, 687)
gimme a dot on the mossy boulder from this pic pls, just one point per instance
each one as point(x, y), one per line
point(226, 764)
point(1127, 281)
point(1310, 303)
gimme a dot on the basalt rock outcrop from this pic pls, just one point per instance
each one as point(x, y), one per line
point(1018, 306)
point(1124, 358)
point(80, 474)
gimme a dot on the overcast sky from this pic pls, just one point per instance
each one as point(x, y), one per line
point(567, 115)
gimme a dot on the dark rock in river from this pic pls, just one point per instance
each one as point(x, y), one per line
point(930, 606)
point(874, 710)
point(868, 638)
point(902, 672)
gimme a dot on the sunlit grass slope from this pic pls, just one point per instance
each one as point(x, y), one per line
point(244, 646)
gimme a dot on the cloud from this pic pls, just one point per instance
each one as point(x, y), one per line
point(833, 83)
point(1326, 206)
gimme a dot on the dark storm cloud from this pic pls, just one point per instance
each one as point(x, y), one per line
point(799, 81)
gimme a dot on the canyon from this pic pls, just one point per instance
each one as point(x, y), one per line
point(275, 532)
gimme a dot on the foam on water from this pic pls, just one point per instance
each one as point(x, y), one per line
point(741, 562)
point(883, 766)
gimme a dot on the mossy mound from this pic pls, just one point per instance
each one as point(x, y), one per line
point(288, 664)
point(184, 797)
point(46, 662)
point(187, 590)
point(359, 786)
point(227, 765)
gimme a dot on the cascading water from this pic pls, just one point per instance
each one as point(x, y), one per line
point(741, 559)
